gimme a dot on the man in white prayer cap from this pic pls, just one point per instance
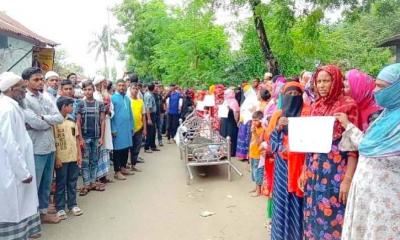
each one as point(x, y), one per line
point(19, 217)
point(52, 84)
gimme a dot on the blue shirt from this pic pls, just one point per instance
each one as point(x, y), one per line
point(72, 115)
point(122, 125)
point(150, 102)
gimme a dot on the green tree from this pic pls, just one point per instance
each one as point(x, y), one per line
point(174, 45)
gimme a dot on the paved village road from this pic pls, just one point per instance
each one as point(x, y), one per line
point(156, 204)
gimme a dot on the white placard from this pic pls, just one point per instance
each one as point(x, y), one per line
point(209, 101)
point(311, 134)
point(200, 106)
point(223, 111)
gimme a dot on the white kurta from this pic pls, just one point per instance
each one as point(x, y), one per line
point(108, 143)
point(18, 200)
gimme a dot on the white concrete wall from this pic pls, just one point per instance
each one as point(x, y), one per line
point(16, 49)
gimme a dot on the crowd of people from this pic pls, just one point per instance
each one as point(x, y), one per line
point(54, 130)
point(351, 193)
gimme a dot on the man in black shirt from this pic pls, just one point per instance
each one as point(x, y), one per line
point(159, 113)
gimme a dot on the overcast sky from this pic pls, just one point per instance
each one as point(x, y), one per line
point(72, 23)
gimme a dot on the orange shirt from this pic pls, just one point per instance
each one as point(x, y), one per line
point(256, 139)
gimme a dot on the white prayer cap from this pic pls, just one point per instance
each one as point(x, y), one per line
point(7, 80)
point(50, 74)
point(268, 74)
point(98, 79)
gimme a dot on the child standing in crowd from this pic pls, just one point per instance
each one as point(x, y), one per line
point(257, 172)
point(68, 160)
point(91, 125)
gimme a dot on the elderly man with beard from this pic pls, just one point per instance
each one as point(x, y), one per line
point(19, 218)
point(43, 116)
point(52, 83)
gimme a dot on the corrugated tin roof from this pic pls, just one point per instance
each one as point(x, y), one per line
point(17, 30)
point(392, 41)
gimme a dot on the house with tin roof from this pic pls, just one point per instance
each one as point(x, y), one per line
point(17, 44)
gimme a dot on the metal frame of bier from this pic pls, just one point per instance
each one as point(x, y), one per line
point(200, 145)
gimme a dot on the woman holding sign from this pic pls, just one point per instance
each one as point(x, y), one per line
point(287, 198)
point(373, 206)
point(328, 176)
point(229, 118)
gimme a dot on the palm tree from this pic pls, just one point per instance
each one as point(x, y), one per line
point(101, 46)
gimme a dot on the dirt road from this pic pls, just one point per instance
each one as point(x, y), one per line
point(156, 204)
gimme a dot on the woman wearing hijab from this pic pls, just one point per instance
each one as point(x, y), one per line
point(360, 88)
point(219, 99)
point(247, 108)
point(287, 198)
point(328, 176)
point(373, 205)
point(228, 125)
point(309, 94)
point(273, 105)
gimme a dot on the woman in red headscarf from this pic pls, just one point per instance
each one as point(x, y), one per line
point(199, 99)
point(219, 99)
point(327, 177)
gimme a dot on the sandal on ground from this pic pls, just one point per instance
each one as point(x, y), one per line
point(62, 215)
point(76, 211)
point(98, 188)
point(109, 180)
point(100, 184)
point(35, 236)
point(84, 191)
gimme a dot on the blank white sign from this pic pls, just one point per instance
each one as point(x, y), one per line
point(223, 111)
point(311, 134)
point(209, 101)
point(200, 106)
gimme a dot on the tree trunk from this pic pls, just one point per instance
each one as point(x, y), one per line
point(270, 62)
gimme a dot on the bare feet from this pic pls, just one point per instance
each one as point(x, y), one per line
point(253, 191)
point(51, 209)
point(49, 218)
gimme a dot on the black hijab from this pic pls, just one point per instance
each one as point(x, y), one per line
point(292, 105)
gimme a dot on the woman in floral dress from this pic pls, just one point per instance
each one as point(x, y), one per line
point(373, 210)
point(328, 176)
